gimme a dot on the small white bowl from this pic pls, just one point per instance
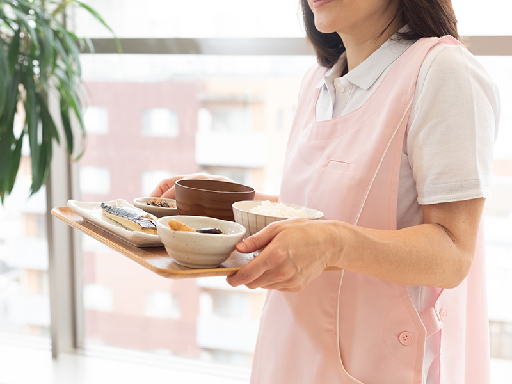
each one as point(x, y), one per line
point(142, 203)
point(255, 222)
point(200, 250)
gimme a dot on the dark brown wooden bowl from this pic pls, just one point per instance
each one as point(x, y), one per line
point(212, 198)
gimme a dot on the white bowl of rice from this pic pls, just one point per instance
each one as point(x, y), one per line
point(256, 215)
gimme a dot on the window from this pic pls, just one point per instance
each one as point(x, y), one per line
point(98, 297)
point(231, 120)
point(96, 120)
point(495, 21)
point(238, 175)
point(162, 305)
point(150, 180)
point(160, 122)
point(24, 293)
point(165, 18)
point(227, 304)
point(145, 305)
point(95, 180)
point(170, 315)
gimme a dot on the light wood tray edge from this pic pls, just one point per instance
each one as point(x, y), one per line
point(134, 253)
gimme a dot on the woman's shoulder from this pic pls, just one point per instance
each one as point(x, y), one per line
point(456, 62)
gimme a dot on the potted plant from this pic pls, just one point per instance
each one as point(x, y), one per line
point(38, 53)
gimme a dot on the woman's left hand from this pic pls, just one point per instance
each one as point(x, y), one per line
point(296, 252)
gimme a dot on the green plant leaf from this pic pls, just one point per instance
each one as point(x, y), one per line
point(95, 14)
point(62, 6)
point(7, 21)
point(66, 124)
point(36, 51)
point(14, 50)
point(15, 163)
point(46, 55)
point(25, 21)
point(46, 119)
point(42, 162)
point(6, 140)
point(42, 165)
point(7, 119)
point(71, 98)
point(70, 58)
point(32, 119)
point(5, 77)
point(98, 17)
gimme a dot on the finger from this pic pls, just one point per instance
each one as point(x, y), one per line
point(162, 187)
point(279, 287)
point(170, 193)
point(276, 278)
point(258, 240)
point(157, 192)
point(251, 271)
point(293, 284)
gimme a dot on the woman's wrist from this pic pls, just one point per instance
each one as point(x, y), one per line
point(337, 238)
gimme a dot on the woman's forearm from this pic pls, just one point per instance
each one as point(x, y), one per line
point(419, 255)
point(438, 253)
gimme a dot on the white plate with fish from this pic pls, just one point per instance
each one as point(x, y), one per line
point(157, 206)
point(93, 213)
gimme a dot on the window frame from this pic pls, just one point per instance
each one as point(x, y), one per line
point(65, 256)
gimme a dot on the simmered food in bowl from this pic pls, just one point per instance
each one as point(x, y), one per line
point(157, 206)
point(256, 215)
point(194, 249)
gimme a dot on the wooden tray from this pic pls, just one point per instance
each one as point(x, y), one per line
point(155, 259)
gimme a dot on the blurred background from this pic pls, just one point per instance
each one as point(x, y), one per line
point(153, 115)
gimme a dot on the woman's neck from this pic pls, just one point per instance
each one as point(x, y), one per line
point(360, 46)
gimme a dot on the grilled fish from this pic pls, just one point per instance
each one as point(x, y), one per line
point(131, 218)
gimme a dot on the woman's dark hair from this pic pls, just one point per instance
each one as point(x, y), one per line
point(425, 18)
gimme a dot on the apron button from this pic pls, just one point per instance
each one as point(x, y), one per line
point(443, 313)
point(405, 338)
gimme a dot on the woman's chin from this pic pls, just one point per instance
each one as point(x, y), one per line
point(324, 26)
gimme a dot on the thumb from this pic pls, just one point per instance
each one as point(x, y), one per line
point(257, 241)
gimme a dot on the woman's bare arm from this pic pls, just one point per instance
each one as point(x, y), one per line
point(437, 253)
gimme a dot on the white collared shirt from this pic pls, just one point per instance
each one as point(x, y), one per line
point(448, 148)
point(342, 95)
point(447, 153)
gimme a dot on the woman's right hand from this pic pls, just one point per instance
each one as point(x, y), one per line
point(166, 187)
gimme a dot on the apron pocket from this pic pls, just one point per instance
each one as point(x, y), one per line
point(337, 165)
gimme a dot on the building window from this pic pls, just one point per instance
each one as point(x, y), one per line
point(232, 305)
point(150, 180)
point(160, 122)
point(96, 120)
point(237, 174)
point(225, 119)
point(94, 180)
point(98, 297)
point(162, 305)
point(501, 339)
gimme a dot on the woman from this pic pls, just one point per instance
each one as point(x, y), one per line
point(392, 140)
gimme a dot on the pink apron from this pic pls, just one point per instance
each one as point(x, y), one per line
point(346, 327)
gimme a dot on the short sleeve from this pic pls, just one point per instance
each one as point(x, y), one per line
point(452, 127)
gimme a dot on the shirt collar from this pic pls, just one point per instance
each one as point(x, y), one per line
point(367, 73)
point(334, 72)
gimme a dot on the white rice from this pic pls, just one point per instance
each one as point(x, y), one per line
point(269, 208)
